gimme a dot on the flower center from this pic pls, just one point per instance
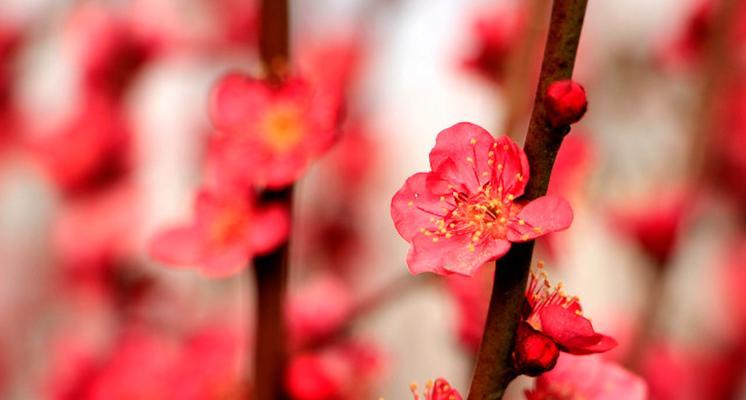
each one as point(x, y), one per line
point(540, 293)
point(282, 128)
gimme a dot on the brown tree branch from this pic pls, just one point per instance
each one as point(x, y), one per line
point(271, 270)
point(494, 369)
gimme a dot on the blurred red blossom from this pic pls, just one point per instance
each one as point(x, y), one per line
point(588, 378)
point(318, 309)
point(145, 365)
point(345, 371)
point(496, 34)
point(566, 102)
point(227, 231)
point(106, 47)
point(550, 311)
point(472, 297)
point(93, 231)
point(674, 372)
point(655, 227)
point(331, 65)
point(464, 213)
point(438, 390)
point(268, 134)
point(89, 149)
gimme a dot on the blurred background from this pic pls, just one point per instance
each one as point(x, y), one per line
point(103, 137)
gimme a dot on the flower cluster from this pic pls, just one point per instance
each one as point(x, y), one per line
point(551, 322)
point(266, 136)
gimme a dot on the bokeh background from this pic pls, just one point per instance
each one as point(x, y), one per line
point(85, 312)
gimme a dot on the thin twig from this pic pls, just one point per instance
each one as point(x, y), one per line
point(494, 369)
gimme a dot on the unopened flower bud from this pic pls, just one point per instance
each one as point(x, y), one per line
point(535, 353)
point(566, 103)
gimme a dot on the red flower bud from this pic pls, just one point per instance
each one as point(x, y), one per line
point(535, 353)
point(566, 102)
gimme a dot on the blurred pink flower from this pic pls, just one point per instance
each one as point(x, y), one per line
point(93, 230)
point(227, 231)
point(464, 213)
point(268, 135)
point(688, 374)
point(343, 372)
point(89, 150)
point(655, 227)
point(496, 34)
point(438, 390)
point(472, 297)
point(550, 311)
point(587, 378)
point(317, 309)
point(104, 45)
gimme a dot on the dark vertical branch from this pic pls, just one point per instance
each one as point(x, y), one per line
point(494, 369)
point(271, 270)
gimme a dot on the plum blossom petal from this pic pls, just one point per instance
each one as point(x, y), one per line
point(572, 332)
point(541, 216)
point(176, 246)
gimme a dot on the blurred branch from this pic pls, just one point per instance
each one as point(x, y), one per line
point(716, 70)
point(271, 270)
point(494, 369)
point(521, 67)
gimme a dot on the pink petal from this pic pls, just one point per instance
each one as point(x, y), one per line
point(269, 228)
point(453, 255)
point(178, 246)
point(542, 216)
point(467, 146)
point(235, 100)
point(222, 261)
point(511, 166)
point(572, 332)
point(414, 205)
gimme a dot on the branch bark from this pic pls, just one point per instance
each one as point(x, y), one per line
point(271, 270)
point(494, 369)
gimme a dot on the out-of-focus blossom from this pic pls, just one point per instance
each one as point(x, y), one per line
point(104, 45)
point(438, 390)
point(268, 135)
point(94, 230)
point(227, 231)
point(655, 226)
point(208, 366)
point(331, 66)
point(569, 175)
point(89, 149)
point(732, 282)
point(728, 161)
point(550, 311)
point(587, 378)
point(472, 297)
point(318, 309)
point(352, 159)
point(566, 102)
point(346, 372)
point(688, 374)
point(464, 213)
point(143, 365)
point(496, 34)
point(11, 38)
point(689, 43)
